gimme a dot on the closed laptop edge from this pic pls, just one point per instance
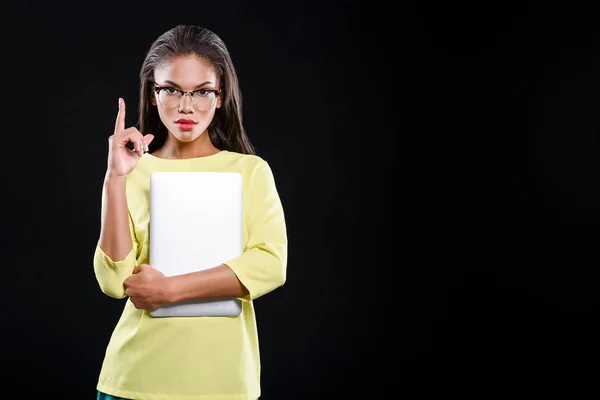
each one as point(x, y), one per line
point(227, 307)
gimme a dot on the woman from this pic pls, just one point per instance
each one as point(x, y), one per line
point(190, 120)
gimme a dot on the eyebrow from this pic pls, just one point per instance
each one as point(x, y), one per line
point(197, 86)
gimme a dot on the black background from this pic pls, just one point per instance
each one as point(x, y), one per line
point(437, 161)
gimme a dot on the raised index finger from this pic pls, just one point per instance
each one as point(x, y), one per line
point(120, 123)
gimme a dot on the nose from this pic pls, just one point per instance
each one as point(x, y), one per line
point(186, 106)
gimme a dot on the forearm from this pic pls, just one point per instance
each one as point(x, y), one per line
point(217, 282)
point(115, 237)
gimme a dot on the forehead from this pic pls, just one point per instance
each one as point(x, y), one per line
point(187, 71)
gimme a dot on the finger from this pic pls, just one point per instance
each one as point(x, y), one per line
point(136, 303)
point(147, 140)
point(120, 122)
point(128, 135)
point(136, 269)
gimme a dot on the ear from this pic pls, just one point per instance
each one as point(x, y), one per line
point(153, 99)
point(220, 100)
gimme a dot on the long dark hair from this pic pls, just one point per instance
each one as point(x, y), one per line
point(226, 130)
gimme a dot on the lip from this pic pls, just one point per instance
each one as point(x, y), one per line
point(186, 124)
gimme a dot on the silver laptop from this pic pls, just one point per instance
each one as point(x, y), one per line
point(195, 224)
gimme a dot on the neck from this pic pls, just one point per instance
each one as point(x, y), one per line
point(176, 149)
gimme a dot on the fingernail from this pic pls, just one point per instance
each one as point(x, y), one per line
point(147, 147)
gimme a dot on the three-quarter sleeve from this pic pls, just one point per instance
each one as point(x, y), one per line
point(262, 266)
point(110, 273)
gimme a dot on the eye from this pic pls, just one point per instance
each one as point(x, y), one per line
point(203, 92)
point(171, 90)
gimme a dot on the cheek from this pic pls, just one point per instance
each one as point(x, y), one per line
point(163, 113)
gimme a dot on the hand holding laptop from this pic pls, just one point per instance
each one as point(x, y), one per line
point(146, 287)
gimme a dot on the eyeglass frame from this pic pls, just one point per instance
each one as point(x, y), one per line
point(157, 89)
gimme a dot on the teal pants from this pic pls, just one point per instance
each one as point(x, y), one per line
point(104, 396)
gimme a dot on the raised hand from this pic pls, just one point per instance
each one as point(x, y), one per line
point(121, 160)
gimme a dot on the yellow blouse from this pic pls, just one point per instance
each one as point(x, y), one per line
point(184, 358)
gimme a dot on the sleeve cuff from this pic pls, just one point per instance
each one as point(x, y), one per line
point(111, 274)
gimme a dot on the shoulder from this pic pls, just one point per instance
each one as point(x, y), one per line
point(256, 171)
point(250, 163)
point(251, 159)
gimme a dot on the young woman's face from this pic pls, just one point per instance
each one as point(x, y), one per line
point(187, 74)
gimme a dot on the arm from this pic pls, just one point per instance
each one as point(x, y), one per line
point(211, 283)
point(261, 267)
point(114, 259)
point(115, 239)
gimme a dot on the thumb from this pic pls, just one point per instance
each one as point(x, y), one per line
point(143, 267)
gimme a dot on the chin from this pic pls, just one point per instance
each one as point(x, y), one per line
point(186, 139)
point(186, 136)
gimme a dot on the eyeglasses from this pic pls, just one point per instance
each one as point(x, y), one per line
point(202, 99)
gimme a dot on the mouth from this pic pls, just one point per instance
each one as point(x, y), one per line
point(186, 124)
